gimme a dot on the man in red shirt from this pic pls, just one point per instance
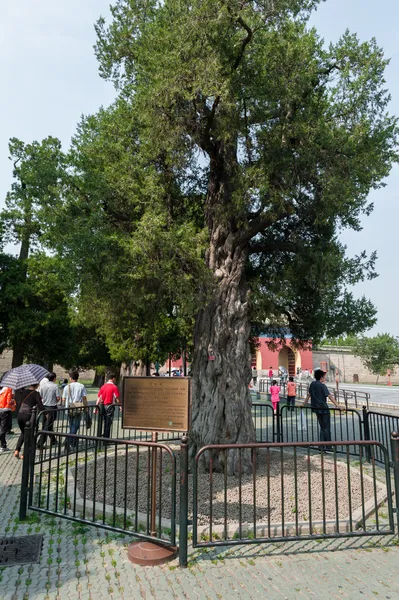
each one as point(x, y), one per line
point(108, 396)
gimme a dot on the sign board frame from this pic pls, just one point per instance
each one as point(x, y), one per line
point(156, 382)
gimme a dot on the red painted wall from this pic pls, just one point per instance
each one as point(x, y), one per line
point(270, 357)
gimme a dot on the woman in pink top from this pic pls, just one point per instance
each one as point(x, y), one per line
point(275, 391)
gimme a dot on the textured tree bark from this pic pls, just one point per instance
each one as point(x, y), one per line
point(133, 368)
point(99, 379)
point(18, 349)
point(17, 355)
point(221, 407)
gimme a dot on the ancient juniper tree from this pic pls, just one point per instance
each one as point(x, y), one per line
point(284, 138)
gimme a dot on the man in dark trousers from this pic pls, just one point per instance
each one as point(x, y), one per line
point(318, 394)
point(108, 396)
point(51, 397)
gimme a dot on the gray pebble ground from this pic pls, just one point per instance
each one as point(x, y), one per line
point(272, 500)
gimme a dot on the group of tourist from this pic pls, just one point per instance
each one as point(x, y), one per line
point(275, 393)
point(318, 394)
point(46, 397)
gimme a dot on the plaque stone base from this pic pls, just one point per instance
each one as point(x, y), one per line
point(148, 554)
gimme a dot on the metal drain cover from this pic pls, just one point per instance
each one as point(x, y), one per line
point(19, 550)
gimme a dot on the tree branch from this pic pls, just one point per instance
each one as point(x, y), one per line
point(264, 220)
point(244, 43)
point(271, 247)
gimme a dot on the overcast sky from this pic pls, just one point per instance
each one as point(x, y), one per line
point(50, 78)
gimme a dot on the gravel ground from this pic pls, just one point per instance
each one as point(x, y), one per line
point(275, 494)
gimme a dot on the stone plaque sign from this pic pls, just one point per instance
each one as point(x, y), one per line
point(156, 403)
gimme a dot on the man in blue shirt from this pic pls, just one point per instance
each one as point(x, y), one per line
point(318, 394)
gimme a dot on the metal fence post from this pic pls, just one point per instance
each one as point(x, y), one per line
point(26, 464)
point(395, 461)
point(31, 447)
point(278, 422)
point(366, 431)
point(183, 521)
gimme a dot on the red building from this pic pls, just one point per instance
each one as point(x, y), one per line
point(284, 355)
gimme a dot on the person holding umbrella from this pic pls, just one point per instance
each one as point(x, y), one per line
point(28, 377)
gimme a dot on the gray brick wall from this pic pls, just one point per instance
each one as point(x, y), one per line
point(348, 366)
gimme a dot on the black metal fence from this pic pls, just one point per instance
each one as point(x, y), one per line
point(301, 388)
point(289, 492)
point(248, 493)
point(287, 424)
point(264, 422)
point(379, 426)
point(92, 422)
point(301, 424)
point(103, 483)
point(356, 398)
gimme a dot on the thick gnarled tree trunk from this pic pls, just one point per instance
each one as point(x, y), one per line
point(221, 408)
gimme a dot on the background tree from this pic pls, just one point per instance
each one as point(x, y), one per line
point(134, 268)
point(343, 341)
point(34, 309)
point(379, 353)
point(37, 171)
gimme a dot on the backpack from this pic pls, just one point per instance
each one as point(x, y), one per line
point(6, 399)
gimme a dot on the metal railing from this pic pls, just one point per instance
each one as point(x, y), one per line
point(301, 388)
point(379, 426)
point(288, 492)
point(104, 483)
point(264, 422)
point(247, 493)
point(92, 422)
point(301, 424)
point(358, 398)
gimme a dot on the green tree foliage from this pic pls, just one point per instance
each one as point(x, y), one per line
point(34, 313)
point(379, 353)
point(213, 190)
point(38, 168)
point(343, 341)
point(33, 196)
point(285, 138)
point(135, 267)
point(37, 316)
point(85, 348)
point(210, 196)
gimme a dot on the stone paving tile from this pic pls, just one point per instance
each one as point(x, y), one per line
point(83, 563)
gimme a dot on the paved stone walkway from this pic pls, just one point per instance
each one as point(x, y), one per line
point(83, 562)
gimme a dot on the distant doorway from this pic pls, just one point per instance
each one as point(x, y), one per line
point(286, 358)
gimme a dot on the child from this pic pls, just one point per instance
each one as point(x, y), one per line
point(275, 391)
point(270, 374)
point(291, 393)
